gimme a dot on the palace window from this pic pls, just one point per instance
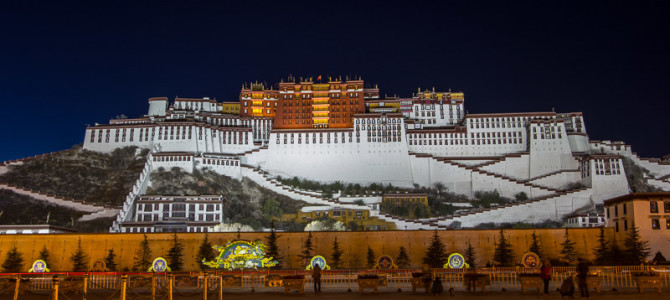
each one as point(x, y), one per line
point(655, 224)
point(653, 207)
point(666, 207)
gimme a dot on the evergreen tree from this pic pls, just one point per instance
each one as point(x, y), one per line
point(273, 249)
point(44, 255)
point(174, 257)
point(568, 252)
point(143, 256)
point(470, 256)
point(307, 249)
point(503, 254)
point(371, 258)
point(535, 245)
point(206, 252)
point(79, 259)
point(403, 260)
point(615, 255)
point(13, 262)
point(436, 254)
point(336, 255)
point(601, 251)
point(636, 250)
point(110, 260)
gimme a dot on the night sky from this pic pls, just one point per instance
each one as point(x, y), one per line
point(64, 66)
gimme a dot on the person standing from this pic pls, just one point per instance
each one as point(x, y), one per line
point(316, 277)
point(582, 273)
point(545, 274)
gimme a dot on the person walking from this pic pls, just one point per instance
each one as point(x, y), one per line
point(545, 274)
point(316, 277)
point(582, 273)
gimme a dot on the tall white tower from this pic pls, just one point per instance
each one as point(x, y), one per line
point(158, 106)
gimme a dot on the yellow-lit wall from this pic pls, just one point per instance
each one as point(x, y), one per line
point(355, 244)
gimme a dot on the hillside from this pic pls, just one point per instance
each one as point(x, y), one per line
point(245, 201)
point(81, 174)
point(18, 209)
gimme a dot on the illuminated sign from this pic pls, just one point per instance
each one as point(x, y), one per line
point(318, 261)
point(159, 265)
point(39, 266)
point(385, 262)
point(456, 261)
point(530, 260)
point(241, 254)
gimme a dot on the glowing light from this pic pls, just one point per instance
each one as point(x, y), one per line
point(241, 254)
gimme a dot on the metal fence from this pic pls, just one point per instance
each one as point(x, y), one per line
point(213, 283)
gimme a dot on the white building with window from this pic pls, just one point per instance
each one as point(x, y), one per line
point(155, 213)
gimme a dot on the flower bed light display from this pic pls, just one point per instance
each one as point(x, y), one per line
point(241, 254)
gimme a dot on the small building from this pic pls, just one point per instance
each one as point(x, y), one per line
point(361, 217)
point(399, 199)
point(649, 212)
point(34, 229)
point(156, 213)
point(585, 220)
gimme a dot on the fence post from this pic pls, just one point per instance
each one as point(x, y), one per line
point(220, 286)
point(205, 287)
point(85, 286)
point(54, 295)
point(124, 284)
point(17, 287)
point(170, 282)
point(153, 286)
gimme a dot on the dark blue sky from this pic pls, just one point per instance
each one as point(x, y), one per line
point(67, 65)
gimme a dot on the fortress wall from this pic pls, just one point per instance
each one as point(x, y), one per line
point(514, 167)
point(554, 208)
point(559, 180)
point(354, 244)
point(363, 162)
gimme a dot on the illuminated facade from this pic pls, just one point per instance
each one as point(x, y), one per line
point(338, 130)
point(257, 100)
point(331, 104)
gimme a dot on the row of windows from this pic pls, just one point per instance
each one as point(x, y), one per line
point(378, 121)
point(149, 207)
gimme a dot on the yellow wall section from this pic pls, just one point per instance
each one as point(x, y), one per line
point(354, 244)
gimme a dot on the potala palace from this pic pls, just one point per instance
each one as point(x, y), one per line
point(338, 130)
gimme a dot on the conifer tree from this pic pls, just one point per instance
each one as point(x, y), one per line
point(403, 260)
point(205, 252)
point(175, 254)
point(568, 252)
point(470, 256)
point(143, 256)
point(535, 245)
point(436, 254)
point(371, 258)
point(14, 261)
point(110, 260)
point(601, 251)
point(336, 254)
point(503, 253)
point(615, 255)
point(307, 249)
point(79, 259)
point(45, 256)
point(273, 249)
point(636, 250)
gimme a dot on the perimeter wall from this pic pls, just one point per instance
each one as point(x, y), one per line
point(354, 244)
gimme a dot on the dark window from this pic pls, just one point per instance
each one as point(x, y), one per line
point(616, 211)
point(653, 207)
point(625, 209)
point(655, 224)
point(625, 225)
point(666, 207)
